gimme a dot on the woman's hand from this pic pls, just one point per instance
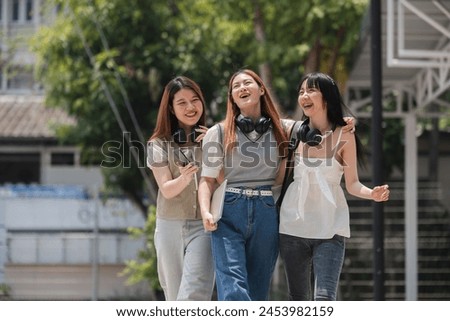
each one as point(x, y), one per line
point(380, 193)
point(350, 127)
point(208, 222)
point(187, 172)
point(202, 130)
point(206, 188)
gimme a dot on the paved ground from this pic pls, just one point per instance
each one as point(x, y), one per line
point(57, 282)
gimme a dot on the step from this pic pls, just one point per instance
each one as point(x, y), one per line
point(433, 246)
point(400, 209)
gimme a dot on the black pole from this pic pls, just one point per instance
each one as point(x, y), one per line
point(377, 150)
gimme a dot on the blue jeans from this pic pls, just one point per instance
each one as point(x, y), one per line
point(324, 256)
point(245, 247)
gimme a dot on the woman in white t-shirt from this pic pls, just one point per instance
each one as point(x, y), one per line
point(314, 216)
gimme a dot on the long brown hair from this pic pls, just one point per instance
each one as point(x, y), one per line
point(166, 122)
point(268, 109)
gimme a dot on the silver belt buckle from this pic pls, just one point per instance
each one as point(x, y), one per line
point(248, 192)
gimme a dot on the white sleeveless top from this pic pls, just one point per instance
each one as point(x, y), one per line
point(314, 205)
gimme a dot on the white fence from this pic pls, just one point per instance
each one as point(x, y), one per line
point(70, 248)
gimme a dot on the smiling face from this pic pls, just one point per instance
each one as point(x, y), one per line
point(311, 100)
point(187, 107)
point(246, 93)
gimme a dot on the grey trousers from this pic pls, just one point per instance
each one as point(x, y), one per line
point(185, 265)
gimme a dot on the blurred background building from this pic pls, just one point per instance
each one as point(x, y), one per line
point(58, 239)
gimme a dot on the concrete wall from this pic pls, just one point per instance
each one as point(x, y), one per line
point(51, 248)
point(85, 176)
point(34, 214)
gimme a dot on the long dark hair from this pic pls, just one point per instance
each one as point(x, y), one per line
point(166, 122)
point(335, 104)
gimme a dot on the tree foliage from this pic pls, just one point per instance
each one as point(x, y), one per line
point(98, 51)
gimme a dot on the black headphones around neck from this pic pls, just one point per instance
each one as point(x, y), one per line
point(312, 137)
point(180, 137)
point(246, 124)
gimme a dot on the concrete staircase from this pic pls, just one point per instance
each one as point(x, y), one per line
point(433, 247)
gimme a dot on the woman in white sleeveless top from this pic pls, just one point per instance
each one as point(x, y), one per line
point(314, 216)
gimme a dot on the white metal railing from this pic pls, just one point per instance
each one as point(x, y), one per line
point(70, 248)
point(397, 53)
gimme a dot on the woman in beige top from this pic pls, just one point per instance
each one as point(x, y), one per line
point(183, 247)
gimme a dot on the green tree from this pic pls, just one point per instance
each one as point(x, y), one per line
point(106, 62)
point(98, 52)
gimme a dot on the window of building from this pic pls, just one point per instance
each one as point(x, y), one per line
point(62, 159)
point(29, 10)
point(15, 10)
point(20, 78)
point(19, 168)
